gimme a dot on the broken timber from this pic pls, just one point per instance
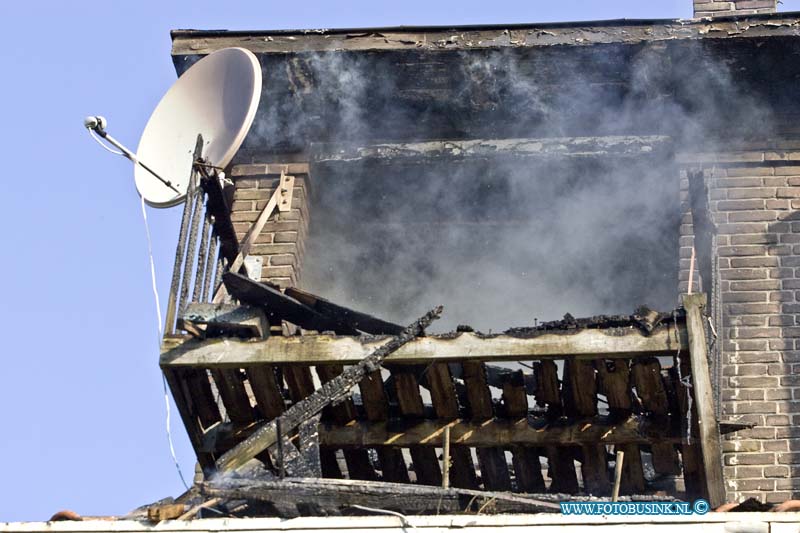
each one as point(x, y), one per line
point(336, 495)
point(347, 317)
point(279, 306)
point(331, 391)
point(701, 383)
point(499, 433)
point(324, 349)
point(206, 319)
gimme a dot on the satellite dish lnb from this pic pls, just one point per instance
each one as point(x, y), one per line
point(216, 98)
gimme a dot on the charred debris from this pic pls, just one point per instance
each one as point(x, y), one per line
point(424, 434)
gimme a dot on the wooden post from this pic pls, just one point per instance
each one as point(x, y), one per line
point(446, 459)
point(617, 475)
point(704, 400)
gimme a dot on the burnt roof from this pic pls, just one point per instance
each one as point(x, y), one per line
point(193, 41)
point(570, 79)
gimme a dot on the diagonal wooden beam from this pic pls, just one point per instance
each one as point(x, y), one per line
point(334, 390)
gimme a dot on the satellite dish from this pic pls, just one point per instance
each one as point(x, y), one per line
point(217, 98)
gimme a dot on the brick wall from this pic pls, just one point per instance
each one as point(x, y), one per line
point(711, 8)
point(753, 198)
point(282, 241)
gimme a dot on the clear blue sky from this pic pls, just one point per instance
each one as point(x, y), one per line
point(81, 398)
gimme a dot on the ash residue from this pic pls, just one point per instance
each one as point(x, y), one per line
point(644, 319)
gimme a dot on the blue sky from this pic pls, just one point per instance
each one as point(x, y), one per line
point(81, 396)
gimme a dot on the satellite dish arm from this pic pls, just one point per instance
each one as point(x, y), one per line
point(97, 125)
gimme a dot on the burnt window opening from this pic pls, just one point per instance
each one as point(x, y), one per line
point(499, 241)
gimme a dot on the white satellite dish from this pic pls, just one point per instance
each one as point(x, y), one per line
point(216, 98)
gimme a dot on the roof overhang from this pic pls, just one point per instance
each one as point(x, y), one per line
point(413, 84)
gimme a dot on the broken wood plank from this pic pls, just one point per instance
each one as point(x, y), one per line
point(300, 384)
point(492, 461)
point(704, 399)
point(230, 385)
point(266, 390)
point(376, 407)
point(347, 318)
point(197, 391)
point(560, 464)
point(357, 460)
point(313, 349)
point(225, 319)
point(527, 467)
point(279, 306)
point(691, 456)
point(177, 379)
point(614, 383)
point(217, 207)
point(445, 402)
point(336, 496)
point(580, 398)
point(636, 429)
point(170, 511)
point(646, 375)
point(426, 465)
point(332, 391)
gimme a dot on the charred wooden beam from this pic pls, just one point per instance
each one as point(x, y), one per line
point(337, 496)
point(279, 306)
point(312, 349)
point(519, 432)
point(492, 461)
point(527, 466)
point(336, 389)
point(646, 377)
point(344, 412)
point(347, 318)
point(217, 207)
point(224, 319)
point(409, 401)
point(500, 433)
point(703, 395)
point(573, 147)
point(376, 409)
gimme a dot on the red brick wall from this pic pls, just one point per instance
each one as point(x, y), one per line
point(711, 8)
point(282, 241)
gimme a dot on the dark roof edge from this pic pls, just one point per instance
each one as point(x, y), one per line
point(195, 33)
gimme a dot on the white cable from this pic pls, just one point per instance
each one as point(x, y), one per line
point(402, 517)
point(158, 313)
point(101, 143)
point(160, 335)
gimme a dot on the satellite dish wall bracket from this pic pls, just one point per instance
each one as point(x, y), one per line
point(281, 197)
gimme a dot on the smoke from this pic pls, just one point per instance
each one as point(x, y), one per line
point(503, 239)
